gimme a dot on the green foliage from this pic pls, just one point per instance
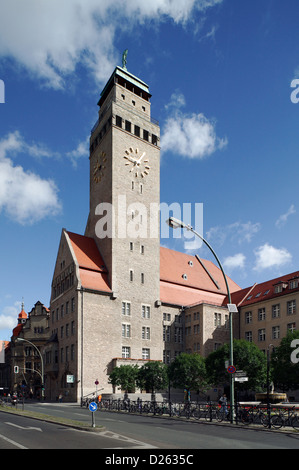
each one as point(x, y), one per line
point(152, 376)
point(284, 373)
point(124, 376)
point(247, 357)
point(188, 371)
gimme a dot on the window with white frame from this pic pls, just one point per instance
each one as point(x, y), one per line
point(291, 327)
point(262, 334)
point(145, 353)
point(126, 308)
point(275, 332)
point(291, 307)
point(145, 311)
point(146, 332)
point(248, 317)
point(248, 336)
point(125, 352)
point(126, 330)
point(261, 314)
point(276, 311)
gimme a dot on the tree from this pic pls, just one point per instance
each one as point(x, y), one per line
point(152, 376)
point(247, 357)
point(124, 376)
point(284, 372)
point(188, 371)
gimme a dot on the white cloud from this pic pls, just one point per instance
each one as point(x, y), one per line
point(234, 262)
point(9, 316)
point(238, 232)
point(82, 150)
point(284, 217)
point(191, 136)
point(24, 196)
point(268, 256)
point(177, 100)
point(49, 39)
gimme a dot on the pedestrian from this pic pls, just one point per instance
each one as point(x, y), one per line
point(223, 403)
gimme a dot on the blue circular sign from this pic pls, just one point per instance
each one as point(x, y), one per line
point(93, 406)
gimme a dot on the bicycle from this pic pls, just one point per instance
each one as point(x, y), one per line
point(285, 418)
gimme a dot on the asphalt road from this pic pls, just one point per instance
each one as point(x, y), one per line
point(127, 431)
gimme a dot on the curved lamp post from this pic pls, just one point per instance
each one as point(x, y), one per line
point(176, 223)
point(42, 361)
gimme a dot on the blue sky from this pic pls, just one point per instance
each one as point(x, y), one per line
point(220, 72)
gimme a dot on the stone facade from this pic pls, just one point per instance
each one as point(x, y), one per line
point(106, 305)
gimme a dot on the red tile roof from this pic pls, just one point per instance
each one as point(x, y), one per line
point(186, 279)
point(265, 290)
point(92, 270)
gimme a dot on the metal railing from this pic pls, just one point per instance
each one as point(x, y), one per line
point(247, 415)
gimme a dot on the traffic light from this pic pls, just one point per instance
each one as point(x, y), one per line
point(16, 369)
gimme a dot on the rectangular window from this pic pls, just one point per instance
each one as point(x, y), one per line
point(262, 334)
point(145, 135)
point(248, 336)
point(131, 275)
point(145, 311)
point(293, 284)
point(118, 121)
point(275, 332)
point(137, 131)
point(146, 332)
point(126, 308)
point(125, 352)
point(276, 311)
point(145, 353)
point(261, 314)
point(217, 320)
point(291, 327)
point(154, 139)
point(128, 126)
point(126, 330)
point(291, 307)
point(248, 317)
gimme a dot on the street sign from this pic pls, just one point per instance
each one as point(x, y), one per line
point(241, 373)
point(241, 379)
point(93, 406)
point(231, 369)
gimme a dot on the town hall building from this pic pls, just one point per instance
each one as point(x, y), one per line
point(117, 296)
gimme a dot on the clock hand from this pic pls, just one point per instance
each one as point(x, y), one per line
point(139, 160)
point(130, 159)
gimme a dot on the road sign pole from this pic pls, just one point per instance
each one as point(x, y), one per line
point(93, 407)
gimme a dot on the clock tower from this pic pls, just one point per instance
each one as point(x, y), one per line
point(124, 204)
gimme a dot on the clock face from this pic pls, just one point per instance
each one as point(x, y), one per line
point(137, 162)
point(99, 168)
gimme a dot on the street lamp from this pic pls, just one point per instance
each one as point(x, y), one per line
point(41, 358)
point(268, 385)
point(176, 223)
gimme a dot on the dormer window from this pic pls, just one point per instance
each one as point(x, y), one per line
point(293, 284)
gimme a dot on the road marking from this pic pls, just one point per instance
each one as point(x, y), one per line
point(119, 437)
point(13, 442)
point(22, 427)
